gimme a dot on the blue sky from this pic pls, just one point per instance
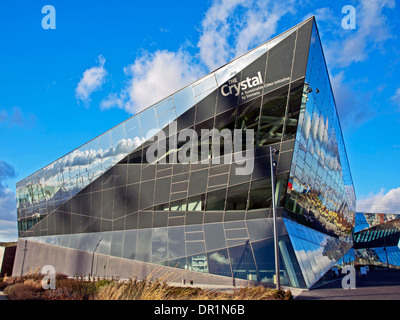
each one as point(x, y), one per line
point(60, 88)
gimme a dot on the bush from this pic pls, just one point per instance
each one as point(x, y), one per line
point(30, 288)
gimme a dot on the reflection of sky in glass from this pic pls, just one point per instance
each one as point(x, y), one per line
point(68, 175)
point(320, 167)
point(316, 252)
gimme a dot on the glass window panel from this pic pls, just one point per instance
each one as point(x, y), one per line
point(176, 242)
point(106, 150)
point(216, 200)
point(196, 203)
point(214, 236)
point(148, 123)
point(260, 195)
point(198, 263)
point(272, 116)
point(195, 247)
point(164, 106)
point(166, 118)
point(242, 262)
point(133, 132)
point(144, 245)
point(130, 241)
point(120, 144)
point(183, 100)
point(218, 263)
point(237, 197)
point(159, 244)
point(105, 243)
point(204, 86)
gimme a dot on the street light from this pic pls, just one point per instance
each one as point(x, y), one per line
point(273, 164)
point(97, 245)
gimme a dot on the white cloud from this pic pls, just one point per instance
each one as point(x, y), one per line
point(232, 27)
point(396, 98)
point(153, 77)
point(8, 230)
point(372, 30)
point(382, 202)
point(350, 103)
point(229, 29)
point(92, 80)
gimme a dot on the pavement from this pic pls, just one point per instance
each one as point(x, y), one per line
point(377, 285)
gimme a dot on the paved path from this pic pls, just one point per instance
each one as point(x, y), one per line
point(378, 285)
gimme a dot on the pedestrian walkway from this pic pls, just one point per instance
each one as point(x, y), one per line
point(377, 285)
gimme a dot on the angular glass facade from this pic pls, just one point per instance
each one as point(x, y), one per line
point(207, 215)
point(376, 240)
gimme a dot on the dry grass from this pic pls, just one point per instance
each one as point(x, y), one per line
point(30, 288)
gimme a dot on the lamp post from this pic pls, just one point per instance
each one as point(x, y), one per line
point(272, 164)
point(97, 245)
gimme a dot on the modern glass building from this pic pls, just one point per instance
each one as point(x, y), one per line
point(376, 240)
point(209, 216)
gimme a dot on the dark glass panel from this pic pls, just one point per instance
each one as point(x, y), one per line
point(148, 172)
point(96, 204)
point(120, 174)
point(237, 197)
point(198, 182)
point(279, 64)
point(194, 218)
point(295, 101)
point(206, 107)
point(116, 243)
point(160, 219)
point(118, 224)
point(216, 200)
point(218, 263)
point(131, 221)
point(162, 192)
point(264, 255)
point(213, 216)
point(196, 203)
point(242, 262)
point(159, 245)
point(145, 219)
point(178, 263)
point(186, 120)
point(226, 120)
point(108, 179)
point(132, 198)
point(272, 116)
point(214, 236)
point(227, 101)
point(106, 225)
point(119, 202)
point(195, 247)
point(107, 204)
point(176, 242)
point(76, 204)
point(86, 204)
point(85, 224)
point(248, 117)
point(134, 173)
point(302, 48)
point(95, 224)
point(260, 194)
point(130, 240)
point(144, 245)
point(262, 168)
point(146, 194)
